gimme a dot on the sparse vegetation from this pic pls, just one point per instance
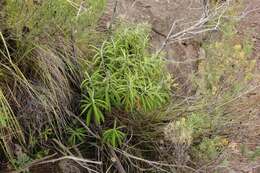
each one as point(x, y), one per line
point(105, 100)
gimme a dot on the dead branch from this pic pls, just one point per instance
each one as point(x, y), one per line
point(70, 158)
point(168, 37)
point(155, 164)
point(199, 26)
point(116, 161)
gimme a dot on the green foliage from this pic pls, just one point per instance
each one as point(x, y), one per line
point(227, 68)
point(124, 75)
point(93, 106)
point(42, 68)
point(195, 134)
point(192, 128)
point(3, 121)
point(46, 134)
point(249, 153)
point(179, 132)
point(49, 18)
point(41, 153)
point(200, 123)
point(114, 136)
point(32, 24)
point(209, 148)
point(225, 72)
point(76, 135)
point(21, 161)
point(38, 70)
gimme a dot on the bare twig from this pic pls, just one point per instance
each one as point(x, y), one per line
point(246, 12)
point(239, 96)
point(197, 27)
point(116, 161)
point(184, 62)
point(154, 163)
point(206, 7)
point(80, 9)
point(70, 158)
point(85, 126)
point(113, 16)
point(167, 38)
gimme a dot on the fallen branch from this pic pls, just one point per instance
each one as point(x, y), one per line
point(197, 27)
point(154, 163)
point(70, 158)
point(116, 161)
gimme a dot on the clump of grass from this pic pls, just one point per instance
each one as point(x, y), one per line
point(252, 154)
point(40, 71)
point(114, 136)
point(9, 127)
point(51, 18)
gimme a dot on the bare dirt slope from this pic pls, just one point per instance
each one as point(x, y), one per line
point(249, 132)
point(252, 22)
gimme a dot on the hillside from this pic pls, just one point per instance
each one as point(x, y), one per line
point(129, 86)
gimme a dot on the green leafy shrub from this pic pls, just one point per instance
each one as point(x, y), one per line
point(227, 69)
point(76, 135)
point(209, 148)
point(204, 124)
point(193, 136)
point(200, 123)
point(193, 127)
point(114, 136)
point(123, 74)
point(179, 132)
point(21, 161)
point(223, 75)
point(93, 106)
